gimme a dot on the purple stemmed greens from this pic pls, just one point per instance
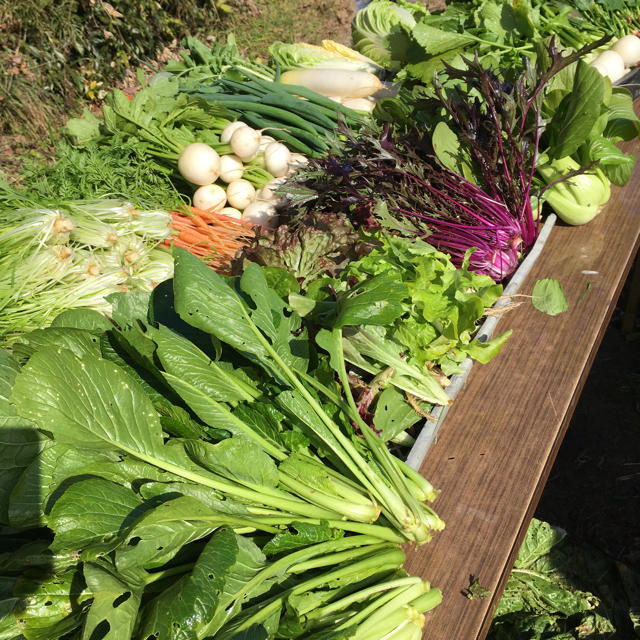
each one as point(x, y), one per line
point(465, 183)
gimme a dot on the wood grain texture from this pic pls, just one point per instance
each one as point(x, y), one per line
point(497, 445)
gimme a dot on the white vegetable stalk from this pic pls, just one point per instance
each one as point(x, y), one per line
point(54, 260)
point(335, 82)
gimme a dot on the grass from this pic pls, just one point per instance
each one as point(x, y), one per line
point(62, 55)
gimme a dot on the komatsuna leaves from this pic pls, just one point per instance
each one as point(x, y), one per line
point(90, 401)
point(20, 441)
point(50, 607)
point(236, 458)
point(378, 300)
point(181, 358)
point(91, 513)
point(87, 319)
point(205, 300)
point(548, 297)
point(115, 603)
point(158, 535)
point(305, 535)
point(184, 608)
point(570, 125)
point(34, 493)
point(241, 584)
point(79, 341)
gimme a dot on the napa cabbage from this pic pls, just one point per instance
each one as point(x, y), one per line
point(381, 31)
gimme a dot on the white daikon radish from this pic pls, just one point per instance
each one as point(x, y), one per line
point(210, 197)
point(229, 130)
point(361, 104)
point(231, 212)
point(335, 82)
point(240, 193)
point(628, 47)
point(610, 64)
point(276, 159)
point(245, 143)
point(260, 212)
point(231, 168)
point(199, 163)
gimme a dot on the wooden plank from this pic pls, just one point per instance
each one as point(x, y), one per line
point(499, 440)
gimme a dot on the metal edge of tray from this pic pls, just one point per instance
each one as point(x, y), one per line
point(429, 432)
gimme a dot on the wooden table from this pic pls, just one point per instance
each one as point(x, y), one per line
point(498, 442)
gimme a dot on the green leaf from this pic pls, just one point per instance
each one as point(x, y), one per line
point(240, 584)
point(269, 315)
point(377, 300)
point(90, 514)
point(235, 458)
point(393, 414)
point(622, 122)
point(385, 353)
point(84, 129)
point(449, 151)
point(304, 536)
point(205, 300)
point(80, 341)
point(182, 359)
point(540, 539)
point(83, 319)
point(578, 112)
point(435, 41)
point(182, 610)
point(115, 603)
point(158, 535)
point(90, 401)
point(548, 297)
point(616, 165)
point(41, 480)
point(50, 607)
point(485, 351)
point(128, 308)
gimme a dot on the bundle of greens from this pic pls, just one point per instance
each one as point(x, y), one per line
point(205, 480)
point(74, 256)
point(620, 17)
point(414, 42)
point(407, 316)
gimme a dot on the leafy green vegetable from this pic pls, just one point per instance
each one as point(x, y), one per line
point(381, 30)
point(542, 599)
point(310, 246)
point(548, 297)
